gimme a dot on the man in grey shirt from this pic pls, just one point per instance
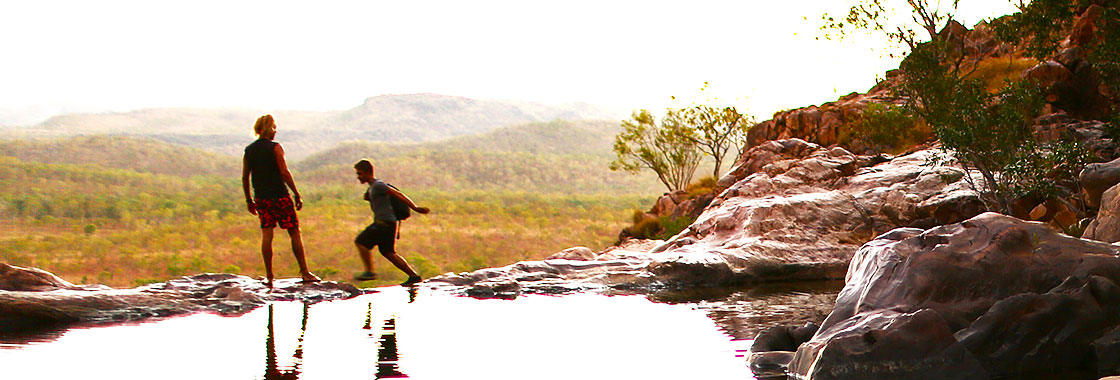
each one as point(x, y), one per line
point(382, 232)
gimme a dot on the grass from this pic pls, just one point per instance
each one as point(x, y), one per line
point(997, 72)
point(150, 227)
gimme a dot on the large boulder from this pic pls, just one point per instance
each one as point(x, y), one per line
point(886, 344)
point(803, 211)
point(789, 210)
point(1096, 178)
point(1017, 296)
point(1106, 226)
point(13, 278)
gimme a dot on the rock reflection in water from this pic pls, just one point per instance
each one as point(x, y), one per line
point(383, 335)
point(742, 313)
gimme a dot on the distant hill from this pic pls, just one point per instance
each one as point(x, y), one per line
point(388, 118)
point(585, 137)
point(553, 157)
point(122, 152)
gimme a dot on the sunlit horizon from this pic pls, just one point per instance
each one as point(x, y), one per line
point(125, 55)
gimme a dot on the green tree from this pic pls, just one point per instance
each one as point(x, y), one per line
point(716, 130)
point(664, 148)
point(985, 132)
point(928, 16)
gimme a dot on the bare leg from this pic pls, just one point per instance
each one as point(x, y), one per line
point(399, 262)
point(367, 260)
point(297, 250)
point(266, 254)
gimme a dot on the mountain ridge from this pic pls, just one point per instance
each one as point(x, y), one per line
point(389, 118)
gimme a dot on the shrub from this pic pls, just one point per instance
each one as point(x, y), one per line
point(706, 185)
point(645, 226)
point(672, 226)
point(883, 126)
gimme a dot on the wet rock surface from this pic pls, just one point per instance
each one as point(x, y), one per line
point(32, 298)
point(789, 211)
point(991, 296)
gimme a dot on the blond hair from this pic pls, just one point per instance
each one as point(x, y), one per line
point(262, 123)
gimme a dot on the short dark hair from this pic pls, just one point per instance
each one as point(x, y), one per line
point(364, 165)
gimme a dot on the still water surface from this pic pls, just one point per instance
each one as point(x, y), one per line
point(395, 333)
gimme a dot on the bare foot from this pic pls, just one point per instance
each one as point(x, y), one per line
point(310, 278)
point(268, 282)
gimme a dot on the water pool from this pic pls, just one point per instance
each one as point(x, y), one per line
point(427, 334)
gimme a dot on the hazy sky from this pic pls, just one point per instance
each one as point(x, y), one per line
point(322, 55)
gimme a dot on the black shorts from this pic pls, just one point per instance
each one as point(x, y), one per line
point(381, 234)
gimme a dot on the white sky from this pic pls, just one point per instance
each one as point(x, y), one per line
point(324, 55)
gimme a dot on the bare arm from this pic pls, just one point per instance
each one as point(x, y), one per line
point(287, 175)
point(409, 202)
point(245, 185)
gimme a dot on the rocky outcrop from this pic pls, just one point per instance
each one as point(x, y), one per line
point(1072, 84)
point(991, 296)
point(790, 210)
point(825, 124)
point(33, 298)
point(1098, 177)
point(1106, 226)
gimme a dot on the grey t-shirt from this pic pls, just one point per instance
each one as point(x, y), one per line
point(378, 193)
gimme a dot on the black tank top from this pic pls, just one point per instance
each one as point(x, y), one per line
point(265, 174)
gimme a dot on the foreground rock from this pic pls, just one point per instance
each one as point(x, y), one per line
point(991, 296)
point(31, 297)
point(789, 211)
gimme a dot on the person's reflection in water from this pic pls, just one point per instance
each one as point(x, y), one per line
point(387, 352)
point(271, 370)
point(411, 293)
point(369, 320)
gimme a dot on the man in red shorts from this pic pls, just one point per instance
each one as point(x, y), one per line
point(264, 164)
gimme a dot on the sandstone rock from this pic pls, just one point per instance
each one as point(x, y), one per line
point(1069, 57)
point(664, 205)
point(793, 211)
point(783, 338)
point(1047, 73)
point(1039, 212)
point(1106, 226)
point(886, 344)
point(221, 293)
point(1098, 177)
point(1042, 332)
point(1017, 295)
point(13, 278)
point(769, 364)
point(1106, 352)
point(1085, 29)
point(574, 253)
point(824, 125)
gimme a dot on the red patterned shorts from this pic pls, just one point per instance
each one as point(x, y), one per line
point(273, 211)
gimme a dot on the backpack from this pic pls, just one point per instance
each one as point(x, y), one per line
point(400, 209)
